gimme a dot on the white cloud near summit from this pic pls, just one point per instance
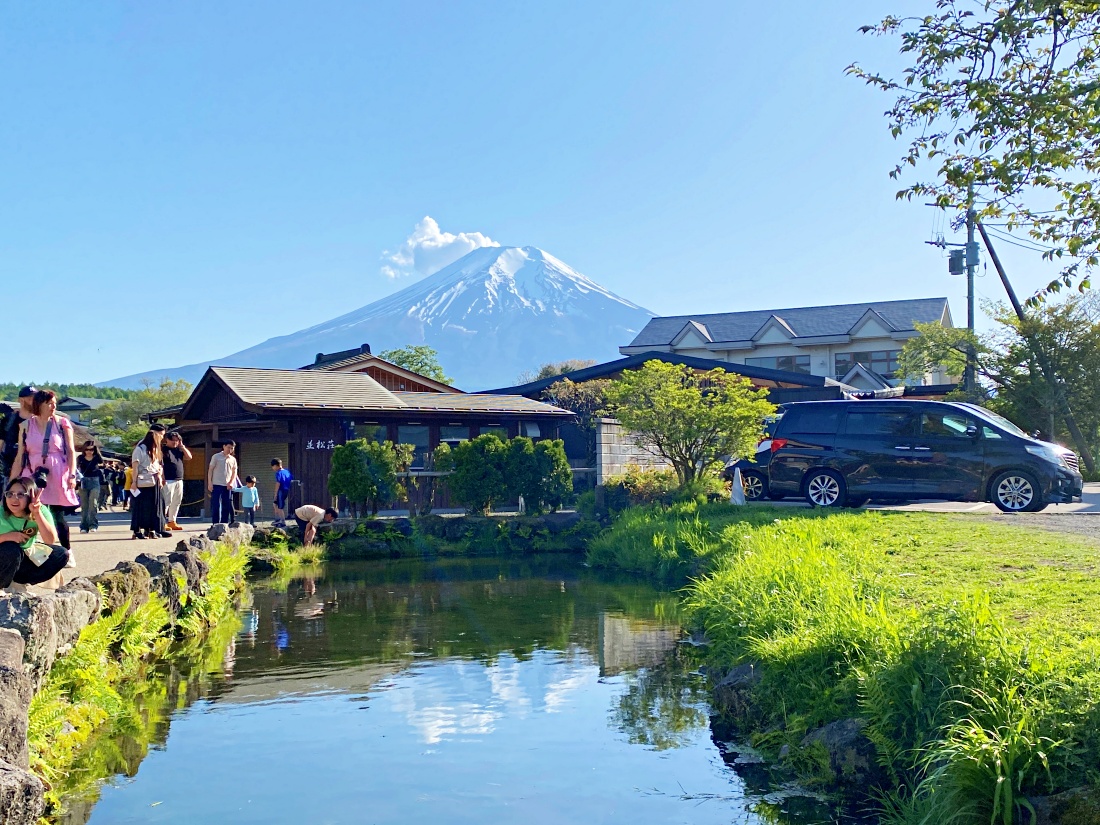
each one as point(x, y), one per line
point(428, 250)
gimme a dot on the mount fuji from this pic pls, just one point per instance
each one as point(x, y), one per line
point(491, 315)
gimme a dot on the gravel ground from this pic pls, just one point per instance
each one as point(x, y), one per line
point(1082, 524)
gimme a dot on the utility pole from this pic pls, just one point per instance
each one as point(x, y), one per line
point(969, 380)
point(1044, 362)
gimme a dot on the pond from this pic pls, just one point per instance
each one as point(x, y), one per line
point(454, 691)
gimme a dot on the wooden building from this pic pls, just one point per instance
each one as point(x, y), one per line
point(300, 416)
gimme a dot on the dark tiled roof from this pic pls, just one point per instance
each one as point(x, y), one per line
point(535, 388)
point(803, 321)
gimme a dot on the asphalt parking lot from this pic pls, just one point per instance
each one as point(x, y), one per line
point(1090, 503)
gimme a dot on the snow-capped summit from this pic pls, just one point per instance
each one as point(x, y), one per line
point(492, 314)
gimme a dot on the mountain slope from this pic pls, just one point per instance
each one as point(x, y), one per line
point(491, 315)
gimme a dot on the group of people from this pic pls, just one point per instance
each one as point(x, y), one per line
point(46, 478)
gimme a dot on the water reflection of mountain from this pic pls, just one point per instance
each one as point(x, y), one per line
point(359, 623)
point(455, 647)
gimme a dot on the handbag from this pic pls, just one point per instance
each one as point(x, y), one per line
point(38, 552)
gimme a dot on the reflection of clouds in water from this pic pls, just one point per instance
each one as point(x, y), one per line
point(557, 693)
point(504, 680)
point(434, 724)
point(455, 698)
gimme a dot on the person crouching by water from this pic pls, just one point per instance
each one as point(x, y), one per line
point(29, 549)
point(309, 518)
point(46, 440)
point(146, 500)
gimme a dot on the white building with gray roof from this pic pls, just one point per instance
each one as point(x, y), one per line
point(857, 344)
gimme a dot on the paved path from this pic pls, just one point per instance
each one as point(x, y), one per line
point(103, 549)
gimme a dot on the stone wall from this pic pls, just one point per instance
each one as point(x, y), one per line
point(36, 629)
point(616, 450)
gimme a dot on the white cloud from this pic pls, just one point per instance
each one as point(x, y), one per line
point(428, 250)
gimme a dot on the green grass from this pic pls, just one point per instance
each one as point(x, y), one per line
point(100, 690)
point(969, 647)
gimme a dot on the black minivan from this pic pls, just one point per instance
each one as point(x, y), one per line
point(842, 453)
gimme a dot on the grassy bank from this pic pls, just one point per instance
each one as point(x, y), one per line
point(969, 649)
point(103, 690)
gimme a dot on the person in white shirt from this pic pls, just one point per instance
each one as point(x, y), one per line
point(221, 478)
point(309, 518)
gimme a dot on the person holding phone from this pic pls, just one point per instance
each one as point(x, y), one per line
point(29, 549)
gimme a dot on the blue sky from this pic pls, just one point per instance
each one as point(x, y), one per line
point(180, 181)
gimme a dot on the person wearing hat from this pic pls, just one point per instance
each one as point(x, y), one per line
point(9, 434)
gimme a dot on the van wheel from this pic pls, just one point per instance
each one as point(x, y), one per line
point(1015, 491)
point(754, 484)
point(824, 488)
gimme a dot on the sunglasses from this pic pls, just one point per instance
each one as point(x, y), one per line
point(16, 494)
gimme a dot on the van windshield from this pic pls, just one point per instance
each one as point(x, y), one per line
point(999, 420)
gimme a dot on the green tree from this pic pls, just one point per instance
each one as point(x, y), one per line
point(1004, 95)
point(419, 358)
point(365, 473)
point(587, 401)
point(938, 348)
point(552, 368)
point(10, 391)
point(692, 420)
point(477, 480)
point(1067, 333)
point(121, 422)
point(555, 474)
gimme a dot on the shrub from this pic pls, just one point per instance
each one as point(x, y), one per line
point(638, 487)
point(365, 472)
point(478, 478)
point(487, 471)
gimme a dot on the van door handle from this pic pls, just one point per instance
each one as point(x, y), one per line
point(903, 448)
point(923, 449)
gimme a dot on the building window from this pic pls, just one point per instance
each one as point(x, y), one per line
point(416, 435)
point(884, 362)
point(371, 432)
point(452, 433)
point(787, 363)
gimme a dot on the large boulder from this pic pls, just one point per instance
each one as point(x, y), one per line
point(235, 534)
point(262, 561)
point(15, 702)
point(1080, 806)
point(49, 624)
point(561, 522)
point(127, 582)
point(852, 756)
point(733, 691)
point(194, 567)
point(197, 543)
point(22, 795)
point(11, 648)
point(168, 580)
point(402, 525)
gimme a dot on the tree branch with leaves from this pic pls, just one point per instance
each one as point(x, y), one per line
point(1004, 95)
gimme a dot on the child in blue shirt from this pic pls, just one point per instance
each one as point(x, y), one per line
point(250, 499)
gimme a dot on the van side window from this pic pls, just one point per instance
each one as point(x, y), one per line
point(812, 421)
point(944, 424)
point(879, 422)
